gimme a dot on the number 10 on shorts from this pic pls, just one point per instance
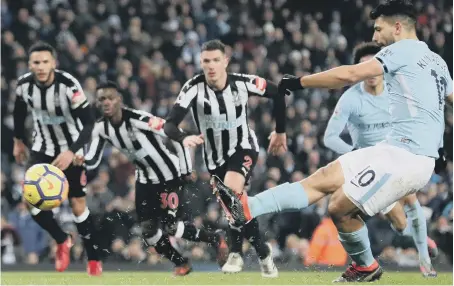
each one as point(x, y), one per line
point(364, 178)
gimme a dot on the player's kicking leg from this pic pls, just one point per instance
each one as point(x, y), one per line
point(415, 227)
point(365, 180)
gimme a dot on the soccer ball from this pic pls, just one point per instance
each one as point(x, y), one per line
point(45, 186)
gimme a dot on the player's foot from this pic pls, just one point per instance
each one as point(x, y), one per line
point(267, 266)
point(233, 206)
point(62, 257)
point(94, 268)
point(222, 249)
point(433, 248)
point(234, 263)
point(360, 274)
point(183, 270)
point(427, 270)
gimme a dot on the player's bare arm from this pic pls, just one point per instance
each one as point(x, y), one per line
point(334, 78)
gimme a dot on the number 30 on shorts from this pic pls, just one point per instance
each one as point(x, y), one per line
point(169, 200)
point(364, 178)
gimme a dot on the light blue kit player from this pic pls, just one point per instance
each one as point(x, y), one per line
point(370, 179)
point(364, 109)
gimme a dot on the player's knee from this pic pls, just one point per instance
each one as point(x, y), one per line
point(336, 207)
point(400, 224)
point(151, 232)
point(334, 211)
point(78, 206)
point(175, 229)
point(397, 218)
point(235, 181)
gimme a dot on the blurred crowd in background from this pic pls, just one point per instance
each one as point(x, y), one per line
point(150, 48)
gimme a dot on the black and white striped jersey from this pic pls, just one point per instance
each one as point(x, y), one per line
point(60, 112)
point(221, 116)
point(136, 138)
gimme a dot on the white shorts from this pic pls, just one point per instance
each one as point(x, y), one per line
point(378, 176)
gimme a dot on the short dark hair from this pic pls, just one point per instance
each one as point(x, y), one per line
point(365, 49)
point(107, 84)
point(213, 45)
point(395, 8)
point(42, 47)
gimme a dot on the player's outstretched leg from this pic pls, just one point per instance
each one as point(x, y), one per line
point(46, 220)
point(354, 236)
point(283, 197)
point(155, 237)
point(189, 231)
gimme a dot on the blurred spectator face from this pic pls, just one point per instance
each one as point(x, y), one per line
point(103, 176)
point(214, 64)
point(8, 38)
point(440, 40)
point(42, 65)
point(188, 24)
point(297, 176)
point(274, 174)
point(373, 81)
point(270, 184)
point(109, 101)
point(175, 87)
point(306, 127)
point(314, 158)
point(202, 31)
point(23, 15)
point(251, 68)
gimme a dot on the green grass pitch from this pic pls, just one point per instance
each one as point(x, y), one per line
point(207, 278)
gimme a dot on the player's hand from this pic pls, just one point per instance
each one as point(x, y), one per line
point(193, 140)
point(63, 160)
point(78, 160)
point(278, 143)
point(289, 83)
point(20, 151)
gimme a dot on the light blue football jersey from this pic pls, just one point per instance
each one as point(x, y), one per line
point(417, 81)
point(367, 118)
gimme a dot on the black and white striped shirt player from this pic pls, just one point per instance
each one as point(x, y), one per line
point(221, 116)
point(143, 144)
point(58, 111)
point(63, 122)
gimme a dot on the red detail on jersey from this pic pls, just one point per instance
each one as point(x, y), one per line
point(156, 123)
point(247, 162)
point(77, 97)
point(260, 83)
